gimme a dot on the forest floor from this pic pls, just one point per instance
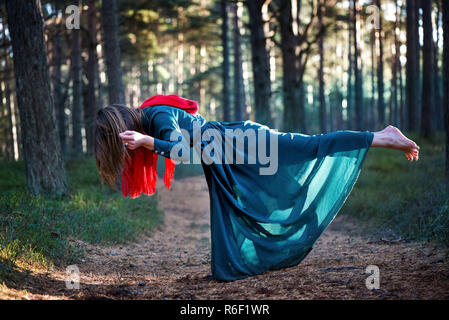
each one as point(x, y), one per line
point(173, 262)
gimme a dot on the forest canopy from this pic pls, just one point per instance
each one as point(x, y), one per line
point(299, 66)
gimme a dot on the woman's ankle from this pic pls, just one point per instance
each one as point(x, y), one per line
point(382, 139)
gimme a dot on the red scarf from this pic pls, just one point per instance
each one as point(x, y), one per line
point(139, 174)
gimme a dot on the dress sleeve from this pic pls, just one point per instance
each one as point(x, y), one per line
point(165, 124)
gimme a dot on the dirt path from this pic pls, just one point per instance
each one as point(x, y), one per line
point(174, 263)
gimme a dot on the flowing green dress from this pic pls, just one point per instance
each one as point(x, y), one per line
point(267, 222)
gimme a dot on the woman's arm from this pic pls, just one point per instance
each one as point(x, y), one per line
point(164, 126)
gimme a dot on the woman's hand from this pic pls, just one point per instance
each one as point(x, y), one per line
point(134, 140)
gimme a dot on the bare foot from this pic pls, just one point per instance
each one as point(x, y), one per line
point(392, 137)
point(402, 143)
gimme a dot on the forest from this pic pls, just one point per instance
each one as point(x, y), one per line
point(306, 66)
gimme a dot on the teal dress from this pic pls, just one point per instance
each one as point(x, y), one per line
point(263, 222)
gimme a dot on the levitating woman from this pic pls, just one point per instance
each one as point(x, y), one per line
point(259, 220)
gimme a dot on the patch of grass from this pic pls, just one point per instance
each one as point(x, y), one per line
point(40, 231)
point(411, 199)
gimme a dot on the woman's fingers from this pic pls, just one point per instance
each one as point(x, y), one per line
point(127, 133)
point(132, 139)
point(128, 138)
point(409, 156)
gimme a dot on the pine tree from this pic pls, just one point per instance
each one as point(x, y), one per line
point(42, 151)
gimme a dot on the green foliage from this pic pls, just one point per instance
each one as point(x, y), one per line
point(412, 199)
point(42, 231)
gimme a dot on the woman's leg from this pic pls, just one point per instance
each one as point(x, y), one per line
point(392, 138)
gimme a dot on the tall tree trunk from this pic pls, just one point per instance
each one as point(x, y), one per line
point(75, 64)
point(380, 72)
point(358, 73)
point(226, 103)
point(91, 103)
point(292, 117)
point(373, 123)
point(42, 151)
point(7, 95)
point(428, 91)
point(112, 51)
point(260, 62)
point(438, 110)
point(412, 67)
point(99, 67)
point(323, 115)
point(179, 61)
point(395, 68)
point(239, 84)
point(59, 103)
point(350, 89)
point(336, 99)
point(445, 12)
point(402, 109)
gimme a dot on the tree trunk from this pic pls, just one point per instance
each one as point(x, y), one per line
point(428, 90)
point(226, 103)
point(239, 85)
point(112, 51)
point(260, 62)
point(75, 64)
point(438, 110)
point(91, 103)
point(59, 103)
point(373, 123)
point(395, 67)
point(402, 109)
point(292, 122)
point(7, 95)
point(350, 90)
point(336, 99)
point(323, 115)
point(45, 170)
point(445, 12)
point(412, 67)
point(358, 73)
point(380, 73)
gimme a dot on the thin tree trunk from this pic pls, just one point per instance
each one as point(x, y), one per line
point(42, 151)
point(373, 122)
point(358, 74)
point(438, 110)
point(350, 90)
point(402, 109)
point(428, 90)
point(91, 104)
point(292, 121)
point(322, 99)
point(260, 62)
point(59, 104)
point(75, 63)
point(395, 68)
point(112, 51)
point(7, 95)
point(239, 84)
point(380, 72)
point(412, 68)
point(445, 12)
point(226, 103)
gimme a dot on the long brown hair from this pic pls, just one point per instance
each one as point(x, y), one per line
point(110, 152)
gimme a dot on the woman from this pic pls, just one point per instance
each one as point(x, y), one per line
point(259, 220)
